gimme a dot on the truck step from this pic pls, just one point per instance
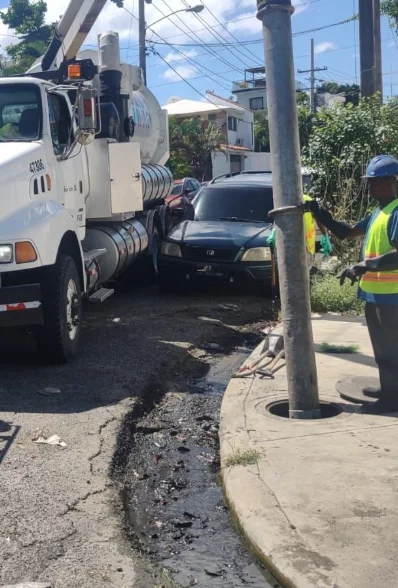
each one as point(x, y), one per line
point(101, 295)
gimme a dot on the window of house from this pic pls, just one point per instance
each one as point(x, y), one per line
point(60, 122)
point(232, 123)
point(257, 103)
point(212, 118)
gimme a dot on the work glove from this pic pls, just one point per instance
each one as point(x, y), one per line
point(353, 273)
point(326, 246)
point(271, 241)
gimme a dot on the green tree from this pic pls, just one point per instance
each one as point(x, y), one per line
point(351, 92)
point(390, 8)
point(27, 19)
point(192, 143)
point(261, 128)
point(342, 142)
point(261, 132)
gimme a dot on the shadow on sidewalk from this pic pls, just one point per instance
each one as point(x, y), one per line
point(358, 358)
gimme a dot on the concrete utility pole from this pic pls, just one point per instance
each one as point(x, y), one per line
point(141, 37)
point(288, 199)
point(378, 81)
point(367, 47)
point(312, 78)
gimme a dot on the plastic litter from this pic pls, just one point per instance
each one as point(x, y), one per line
point(53, 440)
point(49, 391)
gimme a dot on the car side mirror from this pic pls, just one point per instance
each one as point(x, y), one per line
point(87, 115)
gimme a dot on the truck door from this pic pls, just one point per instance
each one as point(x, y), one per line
point(71, 173)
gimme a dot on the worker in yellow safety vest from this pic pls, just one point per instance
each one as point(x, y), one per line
point(377, 275)
point(310, 223)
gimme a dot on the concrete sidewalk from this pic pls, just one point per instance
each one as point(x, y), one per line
point(320, 505)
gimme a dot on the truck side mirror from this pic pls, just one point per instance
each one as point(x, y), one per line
point(87, 115)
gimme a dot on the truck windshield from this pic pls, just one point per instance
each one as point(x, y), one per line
point(20, 112)
point(234, 203)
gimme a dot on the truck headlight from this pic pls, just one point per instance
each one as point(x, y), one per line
point(171, 249)
point(6, 253)
point(257, 254)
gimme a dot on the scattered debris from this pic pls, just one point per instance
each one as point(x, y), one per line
point(215, 572)
point(116, 320)
point(159, 440)
point(53, 440)
point(28, 585)
point(233, 307)
point(49, 391)
point(212, 347)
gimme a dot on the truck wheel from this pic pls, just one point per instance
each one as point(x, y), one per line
point(58, 339)
point(165, 284)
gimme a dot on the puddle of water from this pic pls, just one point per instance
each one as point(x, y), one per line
point(174, 502)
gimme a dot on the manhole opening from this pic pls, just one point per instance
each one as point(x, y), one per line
point(281, 409)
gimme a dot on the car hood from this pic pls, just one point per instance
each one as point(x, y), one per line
point(220, 234)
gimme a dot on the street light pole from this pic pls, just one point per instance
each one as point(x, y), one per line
point(142, 28)
point(288, 198)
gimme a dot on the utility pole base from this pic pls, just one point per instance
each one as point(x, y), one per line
point(305, 414)
point(351, 389)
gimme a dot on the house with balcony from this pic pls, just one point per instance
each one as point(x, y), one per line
point(251, 92)
point(236, 125)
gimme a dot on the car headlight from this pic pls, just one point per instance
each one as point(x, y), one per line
point(257, 254)
point(6, 253)
point(171, 249)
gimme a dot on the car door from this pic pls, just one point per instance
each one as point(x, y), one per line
point(72, 181)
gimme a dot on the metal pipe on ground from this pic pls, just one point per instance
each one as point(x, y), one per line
point(288, 198)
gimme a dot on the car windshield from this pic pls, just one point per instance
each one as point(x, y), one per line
point(20, 112)
point(235, 203)
point(177, 190)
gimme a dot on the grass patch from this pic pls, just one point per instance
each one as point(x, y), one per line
point(328, 348)
point(242, 458)
point(328, 296)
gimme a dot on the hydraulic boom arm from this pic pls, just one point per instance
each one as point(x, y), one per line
point(71, 31)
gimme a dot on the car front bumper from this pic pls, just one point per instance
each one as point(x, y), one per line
point(239, 273)
point(21, 306)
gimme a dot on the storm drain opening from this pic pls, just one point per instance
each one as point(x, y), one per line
point(280, 408)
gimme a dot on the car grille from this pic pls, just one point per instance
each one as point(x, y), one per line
point(203, 254)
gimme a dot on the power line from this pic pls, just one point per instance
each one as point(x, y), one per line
point(210, 51)
point(249, 52)
point(256, 41)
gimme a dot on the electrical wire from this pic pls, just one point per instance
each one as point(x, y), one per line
point(256, 41)
point(192, 37)
point(218, 37)
point(248, 51)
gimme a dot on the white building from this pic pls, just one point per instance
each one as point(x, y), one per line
point(252, 91)
point(236, 124)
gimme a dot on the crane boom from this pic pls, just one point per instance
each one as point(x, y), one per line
point(71, 31)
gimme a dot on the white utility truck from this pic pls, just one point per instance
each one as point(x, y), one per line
point(83, 145)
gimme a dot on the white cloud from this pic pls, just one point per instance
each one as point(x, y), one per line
point(324, 47)
point(172, 57)
point(185, 71)
point(300, 5)
point(246, 23)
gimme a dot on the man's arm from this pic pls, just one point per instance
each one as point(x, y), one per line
point(340, 229)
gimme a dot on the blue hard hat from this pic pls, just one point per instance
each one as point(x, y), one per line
point(382, 166)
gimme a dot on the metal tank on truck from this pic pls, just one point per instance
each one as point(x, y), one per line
point(82, 165)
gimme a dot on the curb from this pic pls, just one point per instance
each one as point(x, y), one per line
point(256, 509)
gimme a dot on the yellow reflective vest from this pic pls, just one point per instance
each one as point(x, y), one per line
point(377, 243)
point(309, 228)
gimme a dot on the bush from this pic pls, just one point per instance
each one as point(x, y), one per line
point(328, 296)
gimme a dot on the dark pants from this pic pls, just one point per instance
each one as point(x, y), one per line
point(383, 330)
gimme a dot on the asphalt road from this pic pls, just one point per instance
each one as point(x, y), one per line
point(61, 518)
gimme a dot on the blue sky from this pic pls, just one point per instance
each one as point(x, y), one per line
point(215, 68)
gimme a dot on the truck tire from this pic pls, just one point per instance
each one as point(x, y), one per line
point(58, 338)
point(166, 285)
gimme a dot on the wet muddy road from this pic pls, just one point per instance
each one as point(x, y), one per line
point(133, 500)
point(167, 464)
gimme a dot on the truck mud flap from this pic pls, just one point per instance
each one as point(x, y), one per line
point(21, 306)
